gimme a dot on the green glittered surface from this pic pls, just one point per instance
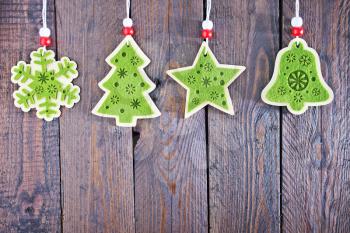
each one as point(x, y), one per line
point(127, 86)
point(297, 81)
point(206, 82)
point(45, 84)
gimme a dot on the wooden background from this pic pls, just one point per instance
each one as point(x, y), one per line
point(263, 170)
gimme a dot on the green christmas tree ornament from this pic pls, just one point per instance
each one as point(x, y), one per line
point(297, 81)
point(206, 82)
point(45, 84)
point(127, 86)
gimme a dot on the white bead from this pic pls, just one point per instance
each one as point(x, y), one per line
point(207, 25)
point(127, 22)
point(297, 22)
point(44, 32)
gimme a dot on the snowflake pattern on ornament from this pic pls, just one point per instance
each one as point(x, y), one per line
point(45, 84)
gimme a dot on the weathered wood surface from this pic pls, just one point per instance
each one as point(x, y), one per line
point(244, 150)
point(29, 147)
point(316, 145)
point(170, 154)
point(97, 156)
point(262, 170)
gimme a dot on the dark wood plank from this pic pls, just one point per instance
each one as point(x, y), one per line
point(170, 152)
point(29, 147)
point(316, 145)
point(244, 149)
point(97, 161)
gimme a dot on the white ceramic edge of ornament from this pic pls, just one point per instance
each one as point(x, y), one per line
point(227, 93)
point(35, 67)
point(275, 76)
point(157, 113)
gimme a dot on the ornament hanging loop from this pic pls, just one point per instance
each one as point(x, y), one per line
point(44, 10)
point(45, 32)
point(207, 15)
point(207, 26)
point(297, 8)
point(128, 9)
point(297, 29)
point(128, 29)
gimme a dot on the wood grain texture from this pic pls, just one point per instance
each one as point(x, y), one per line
point(97, 159)
point(170, 152)
point(29, 147)
point(244, 149)
point(169, 169)
point(316, 145)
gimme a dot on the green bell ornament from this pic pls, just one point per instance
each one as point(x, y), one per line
point(297, 81)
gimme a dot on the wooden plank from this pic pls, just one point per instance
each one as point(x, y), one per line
point(29, 148)
point(316, 145)
point(97, 160)
point(244, 149)
point(170, 152)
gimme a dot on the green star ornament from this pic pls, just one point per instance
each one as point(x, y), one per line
point(206, 82)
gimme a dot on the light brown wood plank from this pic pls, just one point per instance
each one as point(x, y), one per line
point(170, 153)
point(316, 148)
point(97, 161)
point(244, 150)
point(29, 147)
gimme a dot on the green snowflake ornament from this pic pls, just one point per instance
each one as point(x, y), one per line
point(45, 84)
point(206, 82)
point(127, 86)
point(297, 81)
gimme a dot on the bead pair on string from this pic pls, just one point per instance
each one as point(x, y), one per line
point(297, 29)
point(44, 32)
point(207, 29)
point(45, 39)
point(128, 29)
point(207, 25)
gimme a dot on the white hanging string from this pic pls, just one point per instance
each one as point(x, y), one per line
point(127, 8)
point(44, 13)
point(207, 18)
point(127, 21)
point(208, 9)
point(297, 8)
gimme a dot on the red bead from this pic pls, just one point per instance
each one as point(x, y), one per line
point(42, 41)
point(128, 31)
point(210, 34)
point(131, 31)
point(207, 34)
point(45, 41)
point(297, 31)
point(48, 41)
